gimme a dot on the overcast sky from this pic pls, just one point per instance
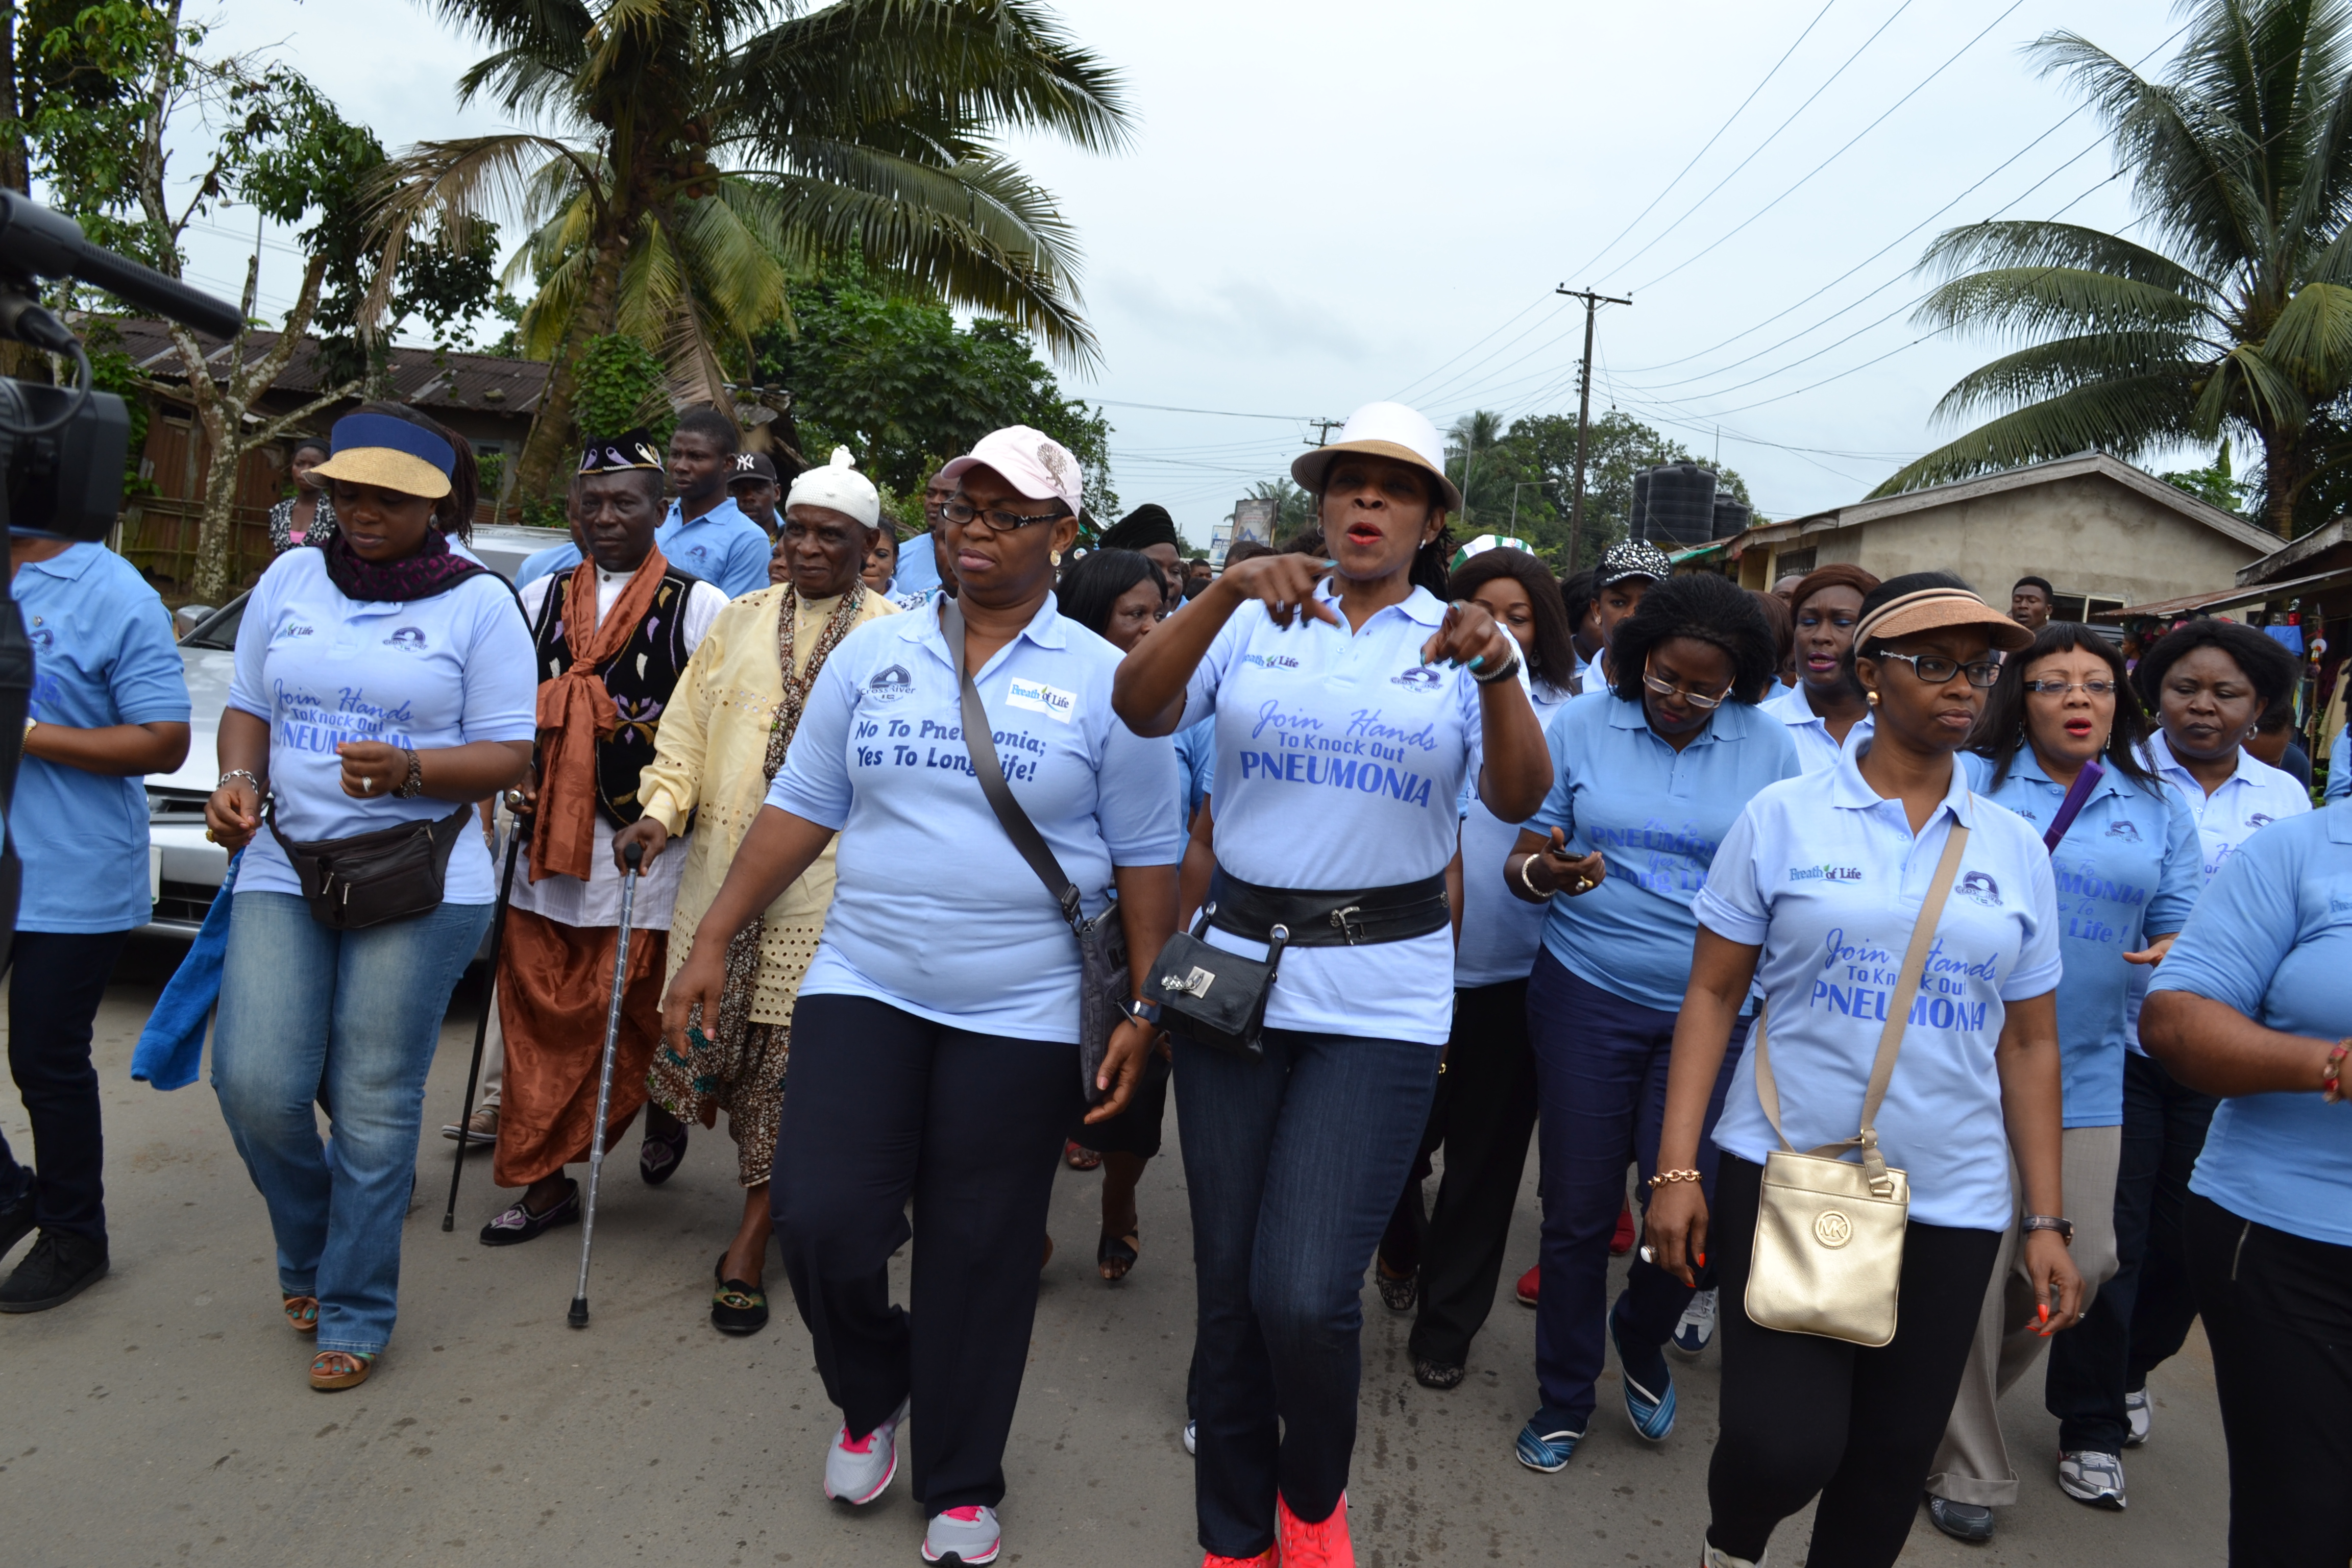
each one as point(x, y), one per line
point(1328, 205)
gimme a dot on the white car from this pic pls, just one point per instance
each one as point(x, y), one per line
point(185, 871)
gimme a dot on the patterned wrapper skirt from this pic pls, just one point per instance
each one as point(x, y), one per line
point(748, 1086)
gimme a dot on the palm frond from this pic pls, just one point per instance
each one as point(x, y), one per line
point(2048, 370)
point(2127, 418)
point(2029, 302)
point(2035, 242)
point(2247, 385)
point(2311, 341)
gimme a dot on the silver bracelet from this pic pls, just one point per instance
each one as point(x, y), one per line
point(258, 787)
point(1529, 883)
point(1502, 672)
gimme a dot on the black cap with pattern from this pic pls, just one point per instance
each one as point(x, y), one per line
point(619, 453)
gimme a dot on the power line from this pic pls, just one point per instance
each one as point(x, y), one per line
point(1767, 140)
point(1841, 152)
point(1398, 394)
point(1220, 412)
point(1711, 141)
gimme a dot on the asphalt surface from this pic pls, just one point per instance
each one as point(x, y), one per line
point(163, 1417)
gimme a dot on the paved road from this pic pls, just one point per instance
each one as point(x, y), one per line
point(163, 1417)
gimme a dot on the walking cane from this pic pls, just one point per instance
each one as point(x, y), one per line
point(482, 1024)
point(635, 855)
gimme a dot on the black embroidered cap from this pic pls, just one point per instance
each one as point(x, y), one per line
point(618, 454)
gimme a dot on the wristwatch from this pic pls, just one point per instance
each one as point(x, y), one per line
point(2062, 1225)
point(1144, 1013)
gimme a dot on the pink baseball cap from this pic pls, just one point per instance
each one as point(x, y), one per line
point(1032, 462)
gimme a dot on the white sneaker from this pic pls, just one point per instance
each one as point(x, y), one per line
point(1192, 1438)
point(857, 1471)
point(966, 1536)
point(1717, 1557)
point(2091, 1477)
point(2138, 1421)
point(1698, 1326)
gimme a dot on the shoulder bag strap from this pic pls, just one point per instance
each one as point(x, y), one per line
point(1898, 1017)
point(2078, 795)
point(980, 747)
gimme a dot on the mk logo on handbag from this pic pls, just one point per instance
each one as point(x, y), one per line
point(1831, 1228)
point(1196, 983)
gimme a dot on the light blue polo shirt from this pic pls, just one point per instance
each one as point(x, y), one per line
point(539, 564)
point(2339, 765)
point(1817, 750)
point(2127, 871)
point(1657, 814)
point(2273, 938)
point(322, 669)
point(1196, 768)
point(103, 655)
point(1827, 878)
point(1501, 932)
point(2250, 799)
point(722, 547)
point(1341, 757)
point(935, 911)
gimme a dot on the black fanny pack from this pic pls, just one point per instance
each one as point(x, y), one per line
point(1218, 999)
point(373, 878)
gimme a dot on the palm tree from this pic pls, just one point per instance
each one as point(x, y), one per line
point(686, 158)
point(2235, 315)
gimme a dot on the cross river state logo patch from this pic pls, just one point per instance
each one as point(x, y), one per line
point(889, 685)
point(1420, 678)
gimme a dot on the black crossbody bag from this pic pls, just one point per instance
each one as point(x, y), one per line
point(1102, 941)
point(373, 878)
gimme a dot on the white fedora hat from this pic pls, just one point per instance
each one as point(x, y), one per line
point(1383, 430)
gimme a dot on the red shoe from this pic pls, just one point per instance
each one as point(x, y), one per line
point(1269, 1558)
point(1622, 1242)
point(1305, 1545)
point(1527, 1283)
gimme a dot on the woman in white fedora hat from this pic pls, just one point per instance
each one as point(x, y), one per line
point(1351, 703)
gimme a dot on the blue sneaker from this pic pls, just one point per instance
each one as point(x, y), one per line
point(1651, 1413)
point(1547, 1451)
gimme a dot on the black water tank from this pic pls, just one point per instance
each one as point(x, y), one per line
point(1681, 504)
point(1731, 515)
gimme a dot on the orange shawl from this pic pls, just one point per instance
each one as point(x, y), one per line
point(574, 710)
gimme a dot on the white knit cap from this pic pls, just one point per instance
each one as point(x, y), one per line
point(839, 485)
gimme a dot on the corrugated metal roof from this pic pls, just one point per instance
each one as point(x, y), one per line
point(419, 376)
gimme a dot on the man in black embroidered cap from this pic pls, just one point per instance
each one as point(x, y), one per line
point(1150, 532)
point(612, 638)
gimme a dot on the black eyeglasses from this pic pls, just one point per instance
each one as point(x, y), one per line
point(2060, 688)
point(1933, 670)
point(960, 512)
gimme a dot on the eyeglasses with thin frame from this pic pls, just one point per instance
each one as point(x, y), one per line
point(959, 511)
point(1668, 689)
point(1935, 670)
point(2060, 688)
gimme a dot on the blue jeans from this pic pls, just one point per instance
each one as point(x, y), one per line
point(1601, 1087)
point(347, 1020)
point(1293, 1163)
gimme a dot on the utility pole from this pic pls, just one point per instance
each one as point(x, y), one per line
point(1323, 428)
point(1592, 302)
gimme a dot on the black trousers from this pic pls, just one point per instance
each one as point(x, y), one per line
point(61, 978)
point(885, 1107)
point(1805, 1415)
point(2278, 1314)
point(2139, 1319)
point(1482, 1116)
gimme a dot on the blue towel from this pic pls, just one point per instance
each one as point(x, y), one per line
point(171, 1046)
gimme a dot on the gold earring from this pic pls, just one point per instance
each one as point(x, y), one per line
point(1057, 558)
point(1873, 697)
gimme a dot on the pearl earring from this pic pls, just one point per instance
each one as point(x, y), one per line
point(1057, 558)
point(1874, 698)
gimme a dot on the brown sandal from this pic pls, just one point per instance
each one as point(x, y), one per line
point(302, 1314)
point(332, 1370)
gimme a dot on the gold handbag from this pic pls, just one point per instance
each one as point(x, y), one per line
point(1827, 1258)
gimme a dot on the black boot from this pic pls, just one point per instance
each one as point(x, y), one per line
point(58, 1268)
point(16, 1221)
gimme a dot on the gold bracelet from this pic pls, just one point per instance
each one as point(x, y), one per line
point(1663, 1178)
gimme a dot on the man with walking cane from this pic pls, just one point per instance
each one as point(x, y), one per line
point(612, 636)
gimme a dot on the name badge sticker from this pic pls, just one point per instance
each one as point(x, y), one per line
point(1039, 698)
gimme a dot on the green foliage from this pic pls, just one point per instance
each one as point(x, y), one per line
point(2235, 316)
point(1522, 479)
point(2213, 484)
point(622, 386)
point(81, 84)
point(893, 377)
point(1294, 509)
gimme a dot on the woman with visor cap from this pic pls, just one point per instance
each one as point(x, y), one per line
point(933, 1054)
point(1351, 703)
point(1825, 706)
point(381, 678)
point(1819, 893)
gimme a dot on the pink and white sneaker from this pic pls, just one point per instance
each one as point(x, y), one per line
point(858, 1470)
point(966, 1536)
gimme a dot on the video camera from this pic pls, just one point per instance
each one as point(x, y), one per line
point(61, 447)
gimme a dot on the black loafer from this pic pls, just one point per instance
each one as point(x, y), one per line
point(1437, 1374)
point(738, 1306)
point(58, 1268)
point(1961, 1520)
point(1399, 1293)
point(516, 1224)
point(659, 1158)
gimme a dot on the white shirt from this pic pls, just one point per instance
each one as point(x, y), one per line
point(1340, 759)
point(1817, 749)
point(1827, 878)
point(320, 669)
point(596, 902)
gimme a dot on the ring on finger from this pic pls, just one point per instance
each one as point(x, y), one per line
point(367, 783)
